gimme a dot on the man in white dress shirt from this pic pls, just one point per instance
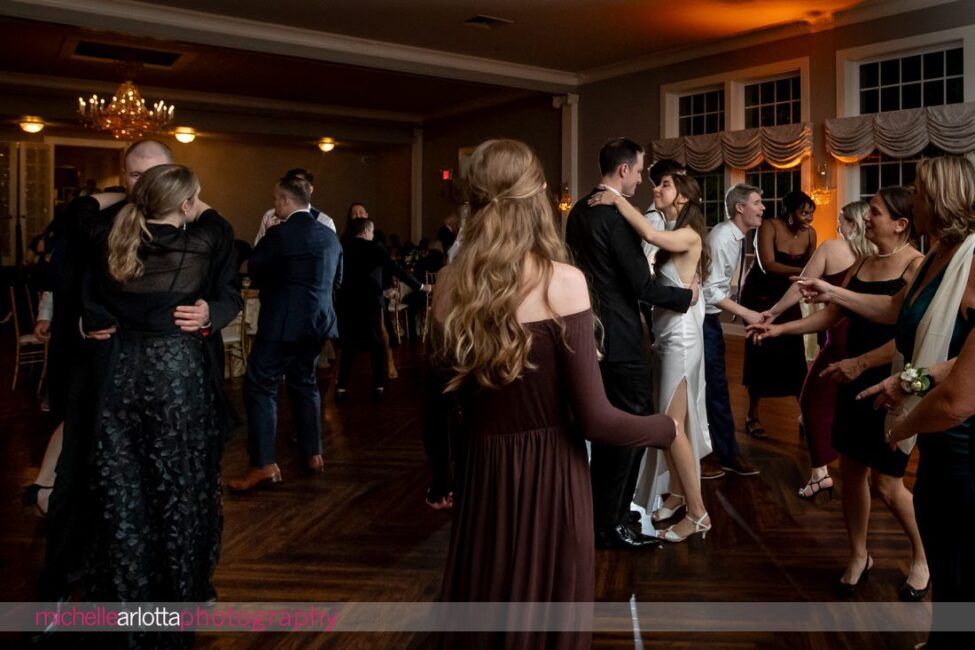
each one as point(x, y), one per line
point(725, 243)
point(269, 220)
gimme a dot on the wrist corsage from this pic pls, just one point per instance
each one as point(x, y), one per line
point(916, 381)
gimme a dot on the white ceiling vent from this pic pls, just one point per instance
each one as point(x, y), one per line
point(487, 22)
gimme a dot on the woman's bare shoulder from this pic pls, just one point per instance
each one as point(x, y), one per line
point(568, 292)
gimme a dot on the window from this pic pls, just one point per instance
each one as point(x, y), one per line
point(879, 170)
point(928, 79)
point(770, 103)
point(775, 184)
point(712, 191)
point(701, 113)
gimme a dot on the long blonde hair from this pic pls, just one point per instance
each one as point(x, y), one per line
point(853, 213)
point(512, 221)
point(160, 191)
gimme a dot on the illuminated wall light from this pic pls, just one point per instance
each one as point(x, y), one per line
point(184, 134)
point(326, 144)
point(32, 124)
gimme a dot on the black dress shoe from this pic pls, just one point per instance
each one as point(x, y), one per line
point(622, 538)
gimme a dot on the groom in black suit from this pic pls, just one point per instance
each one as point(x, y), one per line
point(608, 251)
point(296, 265)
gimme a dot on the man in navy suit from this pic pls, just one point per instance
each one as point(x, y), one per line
point(295, 265)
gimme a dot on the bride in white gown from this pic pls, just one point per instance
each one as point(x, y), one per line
point(678, 364)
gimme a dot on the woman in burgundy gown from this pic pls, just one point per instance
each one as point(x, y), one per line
point(817, 402)
point(785, 244)
point(515, 333)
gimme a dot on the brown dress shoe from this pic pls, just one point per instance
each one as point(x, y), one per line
point(315, 464)
point(256, 477)
point(710, 468)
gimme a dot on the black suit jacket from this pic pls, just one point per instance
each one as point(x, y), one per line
point(296, 265)
point(608, 251)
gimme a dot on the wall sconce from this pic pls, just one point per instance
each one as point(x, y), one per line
point(32, 124)
point(822, 191)
point(565, 199)
point(326, 144)
point(184, 134)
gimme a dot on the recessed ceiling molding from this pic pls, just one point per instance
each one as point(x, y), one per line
point(227, 31)
point(868, 11)
point(227, 102)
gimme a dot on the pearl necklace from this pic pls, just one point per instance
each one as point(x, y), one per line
point(895, 251)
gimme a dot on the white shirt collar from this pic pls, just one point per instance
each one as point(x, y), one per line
point(611, 189)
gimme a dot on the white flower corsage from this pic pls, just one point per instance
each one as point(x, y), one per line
point(916, 381)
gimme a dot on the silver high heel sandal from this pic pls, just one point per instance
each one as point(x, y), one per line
point(699, 527)
point(665, 513)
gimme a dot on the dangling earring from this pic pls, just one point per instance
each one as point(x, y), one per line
point(791, 220)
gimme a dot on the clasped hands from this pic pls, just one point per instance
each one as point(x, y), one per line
point(189, 318)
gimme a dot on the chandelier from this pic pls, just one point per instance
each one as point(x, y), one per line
point(126, 116)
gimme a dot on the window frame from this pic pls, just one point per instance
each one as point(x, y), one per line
point(848, 63)
point(734, 82)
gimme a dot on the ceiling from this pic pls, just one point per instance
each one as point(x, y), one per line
point(392, 62)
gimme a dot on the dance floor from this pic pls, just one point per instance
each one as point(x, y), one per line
point(361, 531)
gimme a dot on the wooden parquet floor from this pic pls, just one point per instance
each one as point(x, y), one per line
point(361, 532)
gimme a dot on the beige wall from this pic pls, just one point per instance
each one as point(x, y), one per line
point(533, 121)
point(237, 178)
point(630, 105)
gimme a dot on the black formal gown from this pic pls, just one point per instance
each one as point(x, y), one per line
point(158, 419)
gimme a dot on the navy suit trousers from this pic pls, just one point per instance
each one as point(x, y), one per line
point(268, 362)
point(720, 421)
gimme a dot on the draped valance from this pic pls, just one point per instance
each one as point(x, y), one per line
point(905, 133)
point(781, 146)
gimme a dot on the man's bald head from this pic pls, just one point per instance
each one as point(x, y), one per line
point(139, 157)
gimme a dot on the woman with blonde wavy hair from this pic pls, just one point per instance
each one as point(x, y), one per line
point(159, 420)
point(515, 336)
point(817, 401)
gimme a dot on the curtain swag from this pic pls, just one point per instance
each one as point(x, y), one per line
point(905, 133)
point(781, 146)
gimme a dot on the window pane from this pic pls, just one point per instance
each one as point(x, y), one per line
point(768, 115)
point(783, 114)
point(768, 92)
point(911, 96)
point(711, 102)
point(908, 172)
point(934, 93)
point(890, 98)
point(869, 179)
point(934, 65)
point(721, 121)
point(768, 185)
point(685, 126)
point(782, 90)
point(890, 72)
point(890, 174)
point(796, 112)
point(685, 105)
point(697, 103)
point(869, 101)
point(697, 125)
point(869, 75)
point(955, 90)
point(751, 118)
point(795, 88)
point(711, 123)
point(911, 68)
point(954, 64)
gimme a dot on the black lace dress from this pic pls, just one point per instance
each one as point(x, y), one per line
point(158, 419)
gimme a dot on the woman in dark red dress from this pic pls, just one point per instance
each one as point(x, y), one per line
point(817, 402)
point(515, 334)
